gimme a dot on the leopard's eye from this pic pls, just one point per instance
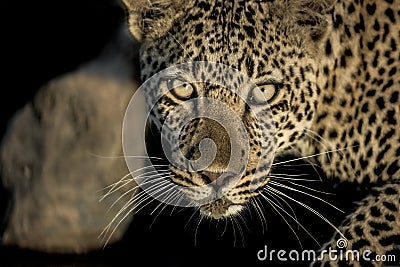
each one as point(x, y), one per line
point(181, 90)
point(262, 94)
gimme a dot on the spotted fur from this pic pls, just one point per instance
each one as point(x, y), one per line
point(337, 67)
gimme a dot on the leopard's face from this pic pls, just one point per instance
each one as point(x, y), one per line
point(259, 40)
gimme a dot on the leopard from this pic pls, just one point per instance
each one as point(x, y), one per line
point(329, 74)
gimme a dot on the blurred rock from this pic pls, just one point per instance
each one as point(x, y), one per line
point(62, 150)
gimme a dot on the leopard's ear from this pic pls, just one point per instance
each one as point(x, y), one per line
point(309, 16)
point(149, 19)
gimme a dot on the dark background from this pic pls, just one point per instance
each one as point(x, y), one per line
point(43, 39)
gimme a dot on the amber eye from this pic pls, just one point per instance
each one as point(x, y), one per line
point(264, 93)
point(181, 90)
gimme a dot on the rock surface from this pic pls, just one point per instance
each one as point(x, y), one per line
point(62, 150)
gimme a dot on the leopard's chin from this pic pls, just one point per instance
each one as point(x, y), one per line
point(221, 208)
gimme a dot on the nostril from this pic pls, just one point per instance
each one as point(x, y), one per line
point(220, 179)
point(212, 176)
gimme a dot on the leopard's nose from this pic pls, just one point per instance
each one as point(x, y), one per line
point(218, 179)
point(212, 176)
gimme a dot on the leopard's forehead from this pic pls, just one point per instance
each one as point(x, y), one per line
point(226, 30)
point(247, 35)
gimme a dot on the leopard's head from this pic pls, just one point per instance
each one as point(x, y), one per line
point(272, 49)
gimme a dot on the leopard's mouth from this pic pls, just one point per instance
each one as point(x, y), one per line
point(221, 208)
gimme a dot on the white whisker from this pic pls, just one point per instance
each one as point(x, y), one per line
point(173, 194)
point(292, 179)
point(319, 142)
point(124, 217)
point(240, 228)
point(278, 200)
point(124, 157)
point(260, 213)
point(225, 227)
point(197, 228)
point(288, 175)
point(190, 218)
point(136, 187)
point(184, 49)
point(113, 190)
point(107, 229)
point(307, 207)
point(234, 230)
point(310, 189)
point(275, 206)
point(123, 179)
point(158, 176)
point(309, 162)
point(305, 193)
point(132, 190)
point(136, 201)
point(307, 157)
